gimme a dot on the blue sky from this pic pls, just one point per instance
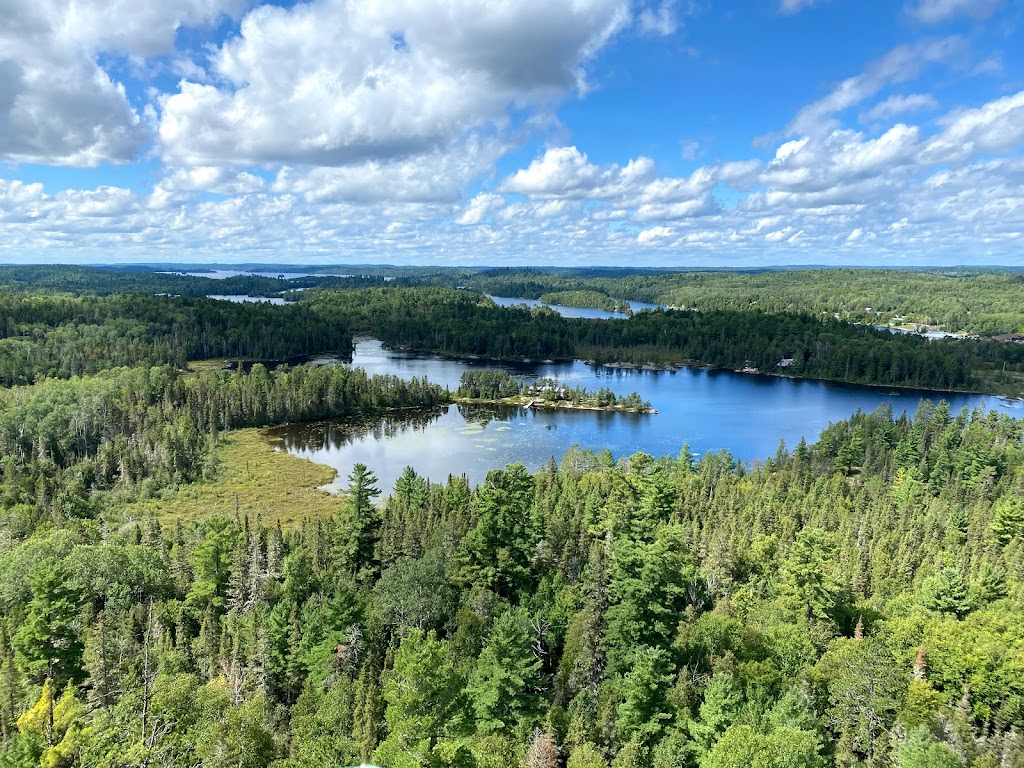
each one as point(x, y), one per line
point(591, 132)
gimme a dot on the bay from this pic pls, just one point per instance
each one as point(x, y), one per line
point(710, 411)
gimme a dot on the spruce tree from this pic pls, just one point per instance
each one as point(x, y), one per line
point(505, 686)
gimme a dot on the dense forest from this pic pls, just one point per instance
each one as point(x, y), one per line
point(592, 299)
point(61, 336)
point(144, 428)
point(853, 602)
point(110, 280)
point(464, 323)
point(984, 302)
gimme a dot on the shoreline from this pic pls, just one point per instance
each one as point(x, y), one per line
point(524, 401)
point(675, 367)
point(671, 367)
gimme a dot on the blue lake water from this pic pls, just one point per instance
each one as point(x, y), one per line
point(221, 274)
point(709, 410)
point(238, 298)
point(564, 311)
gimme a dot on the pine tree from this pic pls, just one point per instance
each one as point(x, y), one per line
point(946, 592)
point(496, 553)
point(807, 578)
point(423, 691)
point(504, 687)
point(1008, 518)
point(49, 640)
point(645, 711)
point(369, 712)
point(989, 584)
point(358, 536)
point(717, 712)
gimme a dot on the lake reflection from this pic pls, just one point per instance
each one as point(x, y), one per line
point(709, 410)
point(238, 298)
point(588, 313)
point(449, 440)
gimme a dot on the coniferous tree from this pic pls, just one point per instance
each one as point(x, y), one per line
point(506, 685)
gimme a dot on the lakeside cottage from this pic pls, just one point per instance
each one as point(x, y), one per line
point(548, 389)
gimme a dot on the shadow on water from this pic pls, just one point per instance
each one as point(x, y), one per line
point(321, 435)
point(448, 440)
point(709, 410)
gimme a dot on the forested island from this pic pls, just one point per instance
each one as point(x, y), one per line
point(497, 387)
point(167, 599)
point(591, 299)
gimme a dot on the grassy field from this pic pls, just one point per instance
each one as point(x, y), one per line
point(214, 364)
point(254, 479)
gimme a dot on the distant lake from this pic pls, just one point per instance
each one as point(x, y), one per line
point(241, 298)
point(221, 274)
point(564, 311)
point(710, 410)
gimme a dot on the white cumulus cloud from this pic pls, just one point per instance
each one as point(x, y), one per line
point(479, 208)
point(58, 106)
point(337, 82)
point(652, 234)
point(997, 126)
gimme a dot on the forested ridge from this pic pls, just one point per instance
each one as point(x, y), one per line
point(60, 336)
point(104, 281)
point(979, 301)
point(464, 323)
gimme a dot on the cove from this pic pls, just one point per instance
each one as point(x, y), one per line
point(710, 411)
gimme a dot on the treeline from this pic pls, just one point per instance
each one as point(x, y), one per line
point(461, 322)
point(496, 385)
point(60, 336)
point(489, 385)
point(983, 301)
point(105, 281)
point(591, 299)
point(139, 429)
point(979, 301)
point(854, 602)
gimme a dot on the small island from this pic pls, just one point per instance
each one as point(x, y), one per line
point(588, 299)
point(502, 387)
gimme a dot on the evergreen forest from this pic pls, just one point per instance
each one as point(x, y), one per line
point(853, 601)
